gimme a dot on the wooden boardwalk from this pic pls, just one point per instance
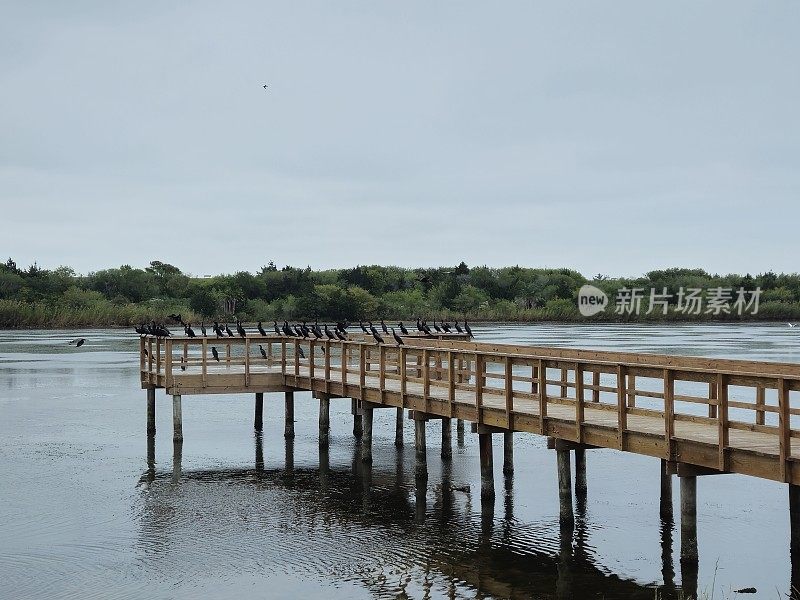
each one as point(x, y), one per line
point(723, 415)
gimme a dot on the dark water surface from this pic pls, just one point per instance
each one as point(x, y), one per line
point(83, 515)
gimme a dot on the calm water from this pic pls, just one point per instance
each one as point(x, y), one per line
point(83, 514)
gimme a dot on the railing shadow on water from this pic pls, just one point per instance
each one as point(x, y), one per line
point(426, 528)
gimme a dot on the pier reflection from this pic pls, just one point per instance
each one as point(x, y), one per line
point(382, 527)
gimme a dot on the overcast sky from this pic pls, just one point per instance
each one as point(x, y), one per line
point(609, 137)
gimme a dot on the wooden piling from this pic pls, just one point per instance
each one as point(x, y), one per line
point(324, 418)
point(580, 472)
point(794, 520)
point(487, 465)
point(398, 428)
point(665, 508)
point(689, 519)
point(358, 422)
point(258, 421)
point(508, 452)
point(421, 450)
point(288, 428)
point(447, 439)
point(565, 513)
point(366, 440)
point(177, 419)
point(151, 411)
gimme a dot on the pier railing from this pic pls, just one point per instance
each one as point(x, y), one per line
point(723, 414)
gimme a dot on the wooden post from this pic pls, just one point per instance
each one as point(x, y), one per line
point(565, 513)
point(622, 414)
point(151, 411)
point(258, 422)
point(366, 441)
point(508, 452)
point(358, 422)
point(324, 418)
point(689, 519)
point(398, 428)
point(760, 402)
point(580, 472)
point(666, 492)
point(421, 450)
point(794, 521)
point(288, 417)
point(447, 439)
point(177, 420)
point(487, 465)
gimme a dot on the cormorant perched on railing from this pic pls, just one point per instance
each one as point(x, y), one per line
point(228, 330)
point(364, 329)
point(403, 328)
point(140, 329)
point(377, 337)
point(328, 333)
point(203, 328)
point(445, 327)
point(340, 335)
point(277, 329)
point(297, 331)
point(397, 338)
point(218, 329)
point(260, 328)
point(214, 353)
point(458, 327)
point(263, 352)
point(467, 329)
point(426, 330)
point(316, 331)
point(287, 330)
point(419, 326)
point(239, 329)
point(436, 327)
point(383, 326)
point(189, 331)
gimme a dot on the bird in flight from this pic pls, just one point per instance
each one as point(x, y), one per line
point(265, 86)
point(78, 342)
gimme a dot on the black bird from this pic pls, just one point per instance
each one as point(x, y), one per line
point(297, 331)
point(277, 329)
point(145, 351)
point(364, 329)
point(300, 352)
point(397, 338)
point(426, 329)
point(189, 331)
point(240, 329)
point(287, 330)
point(467, 329)
point(203, 328)
point(228, 330)
point(378, 338)
point(78, 343)
point(140, 329)
point(261, 329)
point(264, 86)
point(217, 329)
point(436, 327)
point(330, 335)
point(419, 326)
point(263, 352)
point(403, 328)
point(383, 326)
point(315, 330)
point(446, 327)
point(340, 335)
point(183, 364)
point(458, 328)
point(214, 353)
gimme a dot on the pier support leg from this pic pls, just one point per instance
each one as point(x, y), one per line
point(487, 465)
point(151, 411)
point(460, 432)
point(508, 452)
point(398, 428)
point(366, 441)
point(421, 449)
point(258, 421)
point(565, 513)
point(665, 508)
point(794, 528)
point(324, 418)
point(288, 428)
point(447, 439)
point(580, 472)
point(177, 419)
point(358, 421)
point(688, 519)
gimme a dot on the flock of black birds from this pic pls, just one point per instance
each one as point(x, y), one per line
point(337, 332)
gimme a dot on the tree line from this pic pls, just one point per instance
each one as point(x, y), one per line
point(36, 297)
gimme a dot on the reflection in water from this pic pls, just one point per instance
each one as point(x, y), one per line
point(369, 526)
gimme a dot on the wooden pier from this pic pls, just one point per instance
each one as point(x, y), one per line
point(700, 416)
